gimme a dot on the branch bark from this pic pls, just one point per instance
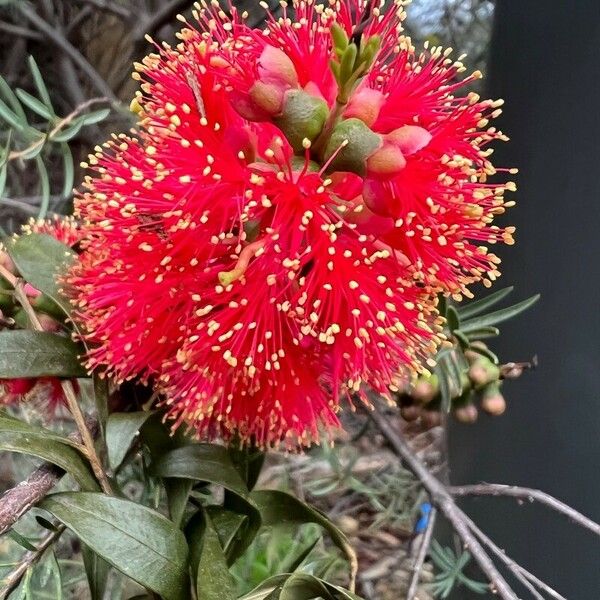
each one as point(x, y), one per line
point(444, 502)
point(529, 495)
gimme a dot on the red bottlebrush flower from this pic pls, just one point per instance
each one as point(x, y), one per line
point(64, 229)
point(219, 264)
point(422, 151)
point(49, 389)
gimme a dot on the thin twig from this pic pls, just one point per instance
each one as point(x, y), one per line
point(20, 31)
point(520, 573)
point(441, 498)
point(70, 395)
point(59, 40)
point(528, 494)
point(420, 559)
point(58, 127)
point(11, 581)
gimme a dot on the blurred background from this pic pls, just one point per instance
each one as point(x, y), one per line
point(541, 57)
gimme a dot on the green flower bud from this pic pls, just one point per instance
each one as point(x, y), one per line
point(353, 142)
point(303, 117)
point(492, 401)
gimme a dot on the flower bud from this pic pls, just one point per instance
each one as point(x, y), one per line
point(493, 401)
point(425, 389)
point(303, 117)
point(274, 65)
point(483, 372)
point(410, 138)
point(431, 418)
point(352, 142)
point(386, 161)
point(267, 97)
point(365, 105)
point(466, 414)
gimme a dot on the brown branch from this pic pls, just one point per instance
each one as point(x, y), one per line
point(15, 502)
point(420, 560)
point(530, 495)
point(61, 42)
point(11, 581)
point(444, 502)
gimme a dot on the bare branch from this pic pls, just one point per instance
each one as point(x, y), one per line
point(420, 560)
point(529, 495)
point(520, 573)
point(61, 42)
point(441, 498)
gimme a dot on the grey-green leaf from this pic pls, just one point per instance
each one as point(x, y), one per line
point(500, 316)
point(27, 354)
point(34, 104)
point(472, 309)
point(136, 540)
point(121, 429)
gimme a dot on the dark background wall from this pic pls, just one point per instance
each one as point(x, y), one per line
point(544, 63)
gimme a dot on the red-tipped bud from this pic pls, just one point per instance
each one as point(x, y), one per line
point(274, 65)
point(267, 97)
point(48, 323)
point(431, 418)
point(365, 105)
point(6, 262)
point(386, 161)
point(410, 138)
point(483, 372)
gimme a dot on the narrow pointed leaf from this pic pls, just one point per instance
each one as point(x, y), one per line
point(136, 540)
point(39, 83)
point(500, 316)
point(34, 104)
point(476, 308)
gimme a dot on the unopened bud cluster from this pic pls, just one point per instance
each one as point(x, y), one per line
point(480, 389)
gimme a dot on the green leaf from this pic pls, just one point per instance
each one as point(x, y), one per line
point(207, 559)
point(136, 540)
point(25, 353)
point(269, 586)
point(96, 571)
point(279, 508)
point(21, 540)
point(44, 187)
point(495, 318)
point(212, 463)
point(34, 104)
point(248, 462)
point(39, 83)
point(69, 170)
point(11, 118)
point(302, 586)
point(96, 116)
point(178, 493)
point(452, 318)
point(21, 437)
point(121, 429)
point(7, 93)
point(483, 334)
point(229, 526)
point(475, 308)
point(39, 259)
point(64, 135)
